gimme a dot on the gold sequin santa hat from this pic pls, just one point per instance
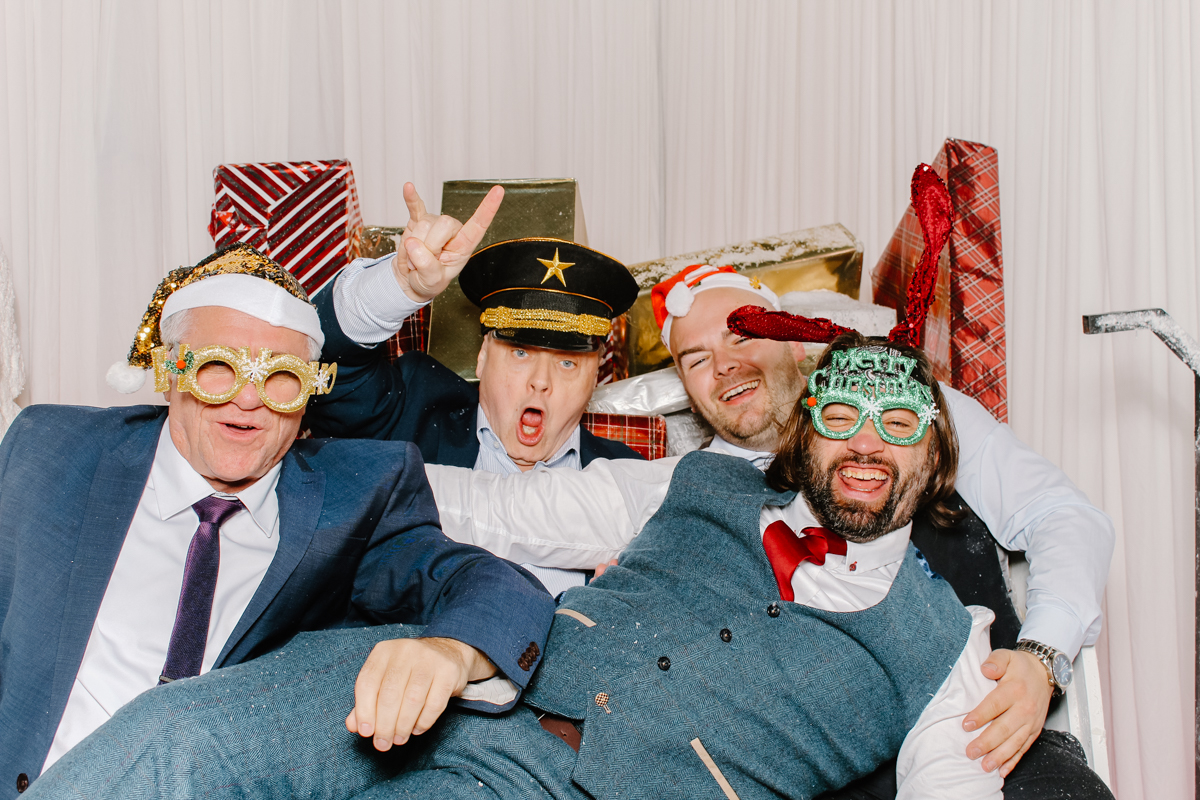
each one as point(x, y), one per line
point(237, 277)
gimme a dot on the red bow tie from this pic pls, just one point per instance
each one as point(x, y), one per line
point(786, 551)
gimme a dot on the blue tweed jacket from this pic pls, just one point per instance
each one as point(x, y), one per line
point(685, 647)
point(358, 544)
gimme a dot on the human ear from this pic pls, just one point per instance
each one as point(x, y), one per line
point(481, 360)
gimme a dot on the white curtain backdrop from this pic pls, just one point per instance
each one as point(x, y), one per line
point(688, 123)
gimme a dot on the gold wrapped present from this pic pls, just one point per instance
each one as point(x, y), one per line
point(549, 207)
point(828, 257)
point(378, 241)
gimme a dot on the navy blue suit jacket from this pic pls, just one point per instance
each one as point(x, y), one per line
point(413, 399)
point(358, 544)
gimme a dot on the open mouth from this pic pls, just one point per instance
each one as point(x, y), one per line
point(531, 426)
point(864, 479)
point(739, 390)
point(236, 428)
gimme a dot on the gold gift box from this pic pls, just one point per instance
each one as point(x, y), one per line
point(828, 257)
point(550, 207)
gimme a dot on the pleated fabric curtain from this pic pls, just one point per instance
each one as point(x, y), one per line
point(688, 123)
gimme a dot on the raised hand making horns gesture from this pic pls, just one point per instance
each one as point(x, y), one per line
point(437, 247)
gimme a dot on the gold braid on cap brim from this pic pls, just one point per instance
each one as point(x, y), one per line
point(544, 319)
point(239, 259)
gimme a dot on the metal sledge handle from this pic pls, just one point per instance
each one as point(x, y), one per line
point(1160, 322)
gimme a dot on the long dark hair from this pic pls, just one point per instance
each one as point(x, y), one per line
point(786, 470)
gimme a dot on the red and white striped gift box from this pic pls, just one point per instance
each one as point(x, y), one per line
point(303, 214)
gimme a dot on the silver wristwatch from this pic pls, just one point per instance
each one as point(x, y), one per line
point(1058, 666)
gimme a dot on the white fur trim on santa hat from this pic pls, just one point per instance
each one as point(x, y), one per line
point(681, 297)
point(254, 296)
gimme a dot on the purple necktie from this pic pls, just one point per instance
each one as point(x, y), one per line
point(190, 634)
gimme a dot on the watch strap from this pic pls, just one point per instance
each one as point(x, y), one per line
point(1044, 653)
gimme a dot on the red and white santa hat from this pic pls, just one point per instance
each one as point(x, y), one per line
point(674, 297)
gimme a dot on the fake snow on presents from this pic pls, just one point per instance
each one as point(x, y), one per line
point(303, 214)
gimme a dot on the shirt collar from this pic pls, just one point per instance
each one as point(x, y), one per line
point(887, 549)
point(487, 438)
point(758, 458)
point(177, 486)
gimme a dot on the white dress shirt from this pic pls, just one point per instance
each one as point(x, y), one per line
point(574, 520)
point(758, 458)
point(494, 458)
point(370, 306)
point(932, 762)
point(127, 647)
point(368, 303)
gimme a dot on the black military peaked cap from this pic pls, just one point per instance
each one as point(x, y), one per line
point(547, 292)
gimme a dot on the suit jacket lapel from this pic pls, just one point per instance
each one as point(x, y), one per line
point(301, 492)
point(113, 499)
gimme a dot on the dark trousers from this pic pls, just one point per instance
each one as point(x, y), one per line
point(1054, 768)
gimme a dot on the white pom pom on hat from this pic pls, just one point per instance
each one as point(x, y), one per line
point(125, 378)
point(679, 300)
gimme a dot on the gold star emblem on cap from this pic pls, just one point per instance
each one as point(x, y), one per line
point(555, 267)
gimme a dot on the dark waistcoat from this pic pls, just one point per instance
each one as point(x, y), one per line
point(686, 648)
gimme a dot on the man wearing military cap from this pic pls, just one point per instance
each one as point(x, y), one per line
point(545, 307)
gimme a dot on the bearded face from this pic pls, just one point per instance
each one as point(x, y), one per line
point(863, 488)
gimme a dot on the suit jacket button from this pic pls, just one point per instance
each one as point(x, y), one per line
point(22, 783)
point(726, 635)
point(664, 663)
point(773, 610)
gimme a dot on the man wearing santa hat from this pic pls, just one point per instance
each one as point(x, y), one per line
point(148, 544)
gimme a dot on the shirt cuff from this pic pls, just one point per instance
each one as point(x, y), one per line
point(497, 690)
point(1055, 627)
point(369, 304)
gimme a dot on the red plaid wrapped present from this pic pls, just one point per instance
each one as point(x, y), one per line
point(303, 214)
point(413, 335)
point(964, 334)
point(646, 435)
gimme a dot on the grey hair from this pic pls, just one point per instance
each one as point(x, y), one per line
point(177, 328)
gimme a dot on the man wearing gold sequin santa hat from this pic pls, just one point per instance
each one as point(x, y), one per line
point(146, 544)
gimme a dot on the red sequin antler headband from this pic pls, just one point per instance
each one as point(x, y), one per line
point(931, 202)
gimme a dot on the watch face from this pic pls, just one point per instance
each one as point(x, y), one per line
point(1063, 671)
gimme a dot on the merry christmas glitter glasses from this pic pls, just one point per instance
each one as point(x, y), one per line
point(872, 383)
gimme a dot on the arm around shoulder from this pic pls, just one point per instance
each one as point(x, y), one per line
point(1029, 505)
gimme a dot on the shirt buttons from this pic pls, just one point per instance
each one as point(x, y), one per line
point(853, 566)
point(726, 635)
point(773, 610)
point(22, 783)
point(664, 663)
